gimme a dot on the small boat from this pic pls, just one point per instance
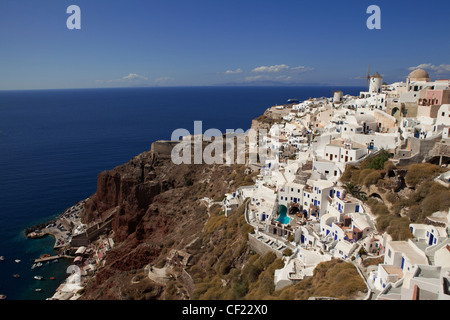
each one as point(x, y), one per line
point(34, 266)
point(16, 275)
point(39, 264)
point(2, 258)
point(38, 277)
point(52, 278)
point(17, 260)
point(2, 297)
point(38, 290)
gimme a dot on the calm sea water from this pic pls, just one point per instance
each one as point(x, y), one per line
point(53, 144)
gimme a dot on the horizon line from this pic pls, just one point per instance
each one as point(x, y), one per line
point(188, 86)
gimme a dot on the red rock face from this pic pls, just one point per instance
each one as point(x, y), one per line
point(153, 209)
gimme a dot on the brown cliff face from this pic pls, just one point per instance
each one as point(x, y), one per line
point(155, 206)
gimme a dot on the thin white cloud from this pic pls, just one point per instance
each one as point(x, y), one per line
point(134, 76)
point(163, 79)
point(440, 69)
point(275, 68)
point(282, 68)
point(258, 77)
point(283, 78)
point(301, 69)
point(237, 71)
point(130, 78)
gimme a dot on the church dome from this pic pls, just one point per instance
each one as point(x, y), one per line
point(419, 75)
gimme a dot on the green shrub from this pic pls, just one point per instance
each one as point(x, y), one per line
point(376, 162)
point(287, 252)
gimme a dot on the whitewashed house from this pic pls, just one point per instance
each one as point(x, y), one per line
point(400, 258)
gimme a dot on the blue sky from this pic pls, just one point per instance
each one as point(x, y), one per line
point(214, 42)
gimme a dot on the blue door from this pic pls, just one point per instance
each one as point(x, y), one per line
point(315, 202)
point(430, 242)
point(403, 262)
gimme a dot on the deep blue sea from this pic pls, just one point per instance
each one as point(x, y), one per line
point(54, 143)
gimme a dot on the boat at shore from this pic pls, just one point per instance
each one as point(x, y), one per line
point(2, 297)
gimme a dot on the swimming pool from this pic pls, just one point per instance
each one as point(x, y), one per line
point(283, 218)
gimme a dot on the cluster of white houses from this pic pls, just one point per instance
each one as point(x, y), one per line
point(298, 203)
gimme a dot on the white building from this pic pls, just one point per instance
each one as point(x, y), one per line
point(400, 258)
point(344, 152)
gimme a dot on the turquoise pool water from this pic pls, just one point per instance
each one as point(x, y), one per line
point(283, 218)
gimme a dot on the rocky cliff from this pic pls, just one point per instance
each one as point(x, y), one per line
point(155, 206)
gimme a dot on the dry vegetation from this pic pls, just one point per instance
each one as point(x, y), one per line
point(222, 265)
point(404, 200)
point(224, 268)
point(334, 278)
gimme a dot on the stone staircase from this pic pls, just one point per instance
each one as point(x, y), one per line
point(429, 252)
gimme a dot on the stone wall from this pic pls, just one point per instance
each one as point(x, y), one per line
point(163, 148)
point(421, 150)
point(261, 248)
point(91, 234)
